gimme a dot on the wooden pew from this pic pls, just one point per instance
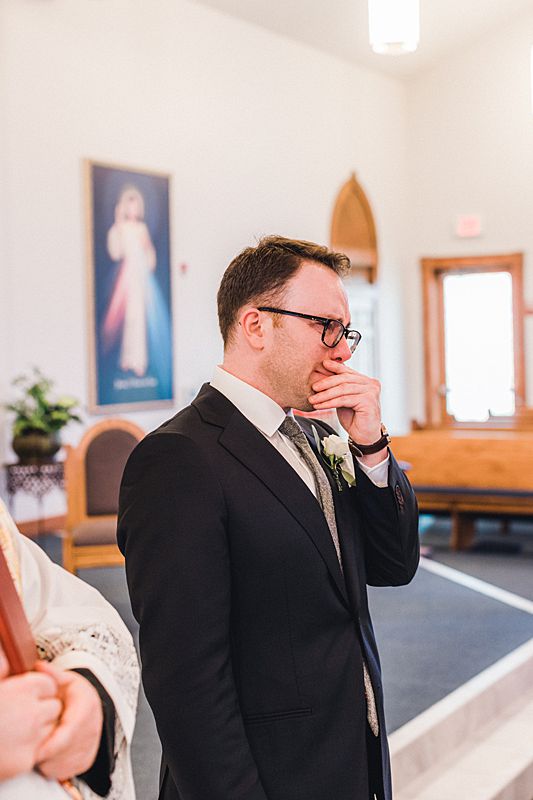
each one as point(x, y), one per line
point(469, 474)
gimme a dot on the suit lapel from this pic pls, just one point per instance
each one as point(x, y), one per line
point(250, 447)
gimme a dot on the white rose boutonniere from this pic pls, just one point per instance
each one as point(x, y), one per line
point(337, 456)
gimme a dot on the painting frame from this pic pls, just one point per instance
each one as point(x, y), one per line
point(129, 288)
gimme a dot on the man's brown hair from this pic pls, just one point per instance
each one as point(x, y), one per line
point(259, 274)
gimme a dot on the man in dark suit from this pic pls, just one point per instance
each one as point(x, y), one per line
point(248, 550)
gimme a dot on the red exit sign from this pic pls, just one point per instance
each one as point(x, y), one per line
point(468, 226)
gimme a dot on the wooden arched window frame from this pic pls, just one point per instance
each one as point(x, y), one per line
point(434, 270)
point(353, 230)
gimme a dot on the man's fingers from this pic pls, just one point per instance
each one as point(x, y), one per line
point(348, 401)
point(340, 380)
point(347, 376)
point(336, 366)
point(338, 391)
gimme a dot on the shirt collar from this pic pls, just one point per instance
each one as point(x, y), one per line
point(257, 407)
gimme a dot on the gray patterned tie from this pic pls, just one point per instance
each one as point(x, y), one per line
point(290, 428)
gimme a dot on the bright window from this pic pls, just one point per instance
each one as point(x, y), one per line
point(474, 341)
point(478, 339)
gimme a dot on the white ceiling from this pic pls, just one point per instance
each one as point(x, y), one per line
point(341, 27)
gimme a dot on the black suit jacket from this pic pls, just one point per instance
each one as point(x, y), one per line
point(251, 637)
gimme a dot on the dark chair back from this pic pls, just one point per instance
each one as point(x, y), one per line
point(93, 471)
point(104, 464)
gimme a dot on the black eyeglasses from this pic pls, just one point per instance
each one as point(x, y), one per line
point(332, 331)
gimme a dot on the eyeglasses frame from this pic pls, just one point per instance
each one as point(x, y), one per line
point(325, 321)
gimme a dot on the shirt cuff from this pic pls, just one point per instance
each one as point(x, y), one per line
point(379, 474)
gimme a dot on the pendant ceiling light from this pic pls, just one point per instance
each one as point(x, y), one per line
point(394, 25)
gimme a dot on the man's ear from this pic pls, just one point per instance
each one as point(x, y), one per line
point(254, 325)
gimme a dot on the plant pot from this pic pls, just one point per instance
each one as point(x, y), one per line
point(35, 447)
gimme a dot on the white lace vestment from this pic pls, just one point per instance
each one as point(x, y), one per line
point(74, 627)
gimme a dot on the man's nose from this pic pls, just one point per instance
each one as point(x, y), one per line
point(342, 351)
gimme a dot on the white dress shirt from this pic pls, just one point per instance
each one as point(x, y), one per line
point(266, 415)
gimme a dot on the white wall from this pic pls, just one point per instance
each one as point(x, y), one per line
point(258, 132)
point(471, 151)
point(4, 274)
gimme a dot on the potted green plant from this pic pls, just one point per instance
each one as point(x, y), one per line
point(39, 418)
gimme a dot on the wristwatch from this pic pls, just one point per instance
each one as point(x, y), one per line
point(360, 450)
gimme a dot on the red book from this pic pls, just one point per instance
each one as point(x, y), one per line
point(15, 633)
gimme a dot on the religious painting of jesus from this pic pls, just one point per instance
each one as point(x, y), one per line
point(129, 289)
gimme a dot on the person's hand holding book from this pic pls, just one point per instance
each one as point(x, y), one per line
point(72, 747)
point(29, 712)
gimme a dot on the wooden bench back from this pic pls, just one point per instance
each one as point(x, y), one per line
point(469, 459)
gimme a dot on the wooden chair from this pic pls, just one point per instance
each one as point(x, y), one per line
point(93, 471)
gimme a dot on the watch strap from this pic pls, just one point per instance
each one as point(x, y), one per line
point(360, 450)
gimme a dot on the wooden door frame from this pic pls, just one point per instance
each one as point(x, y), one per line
point(434, 352)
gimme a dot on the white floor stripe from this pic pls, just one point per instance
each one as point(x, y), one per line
point(478, 585)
